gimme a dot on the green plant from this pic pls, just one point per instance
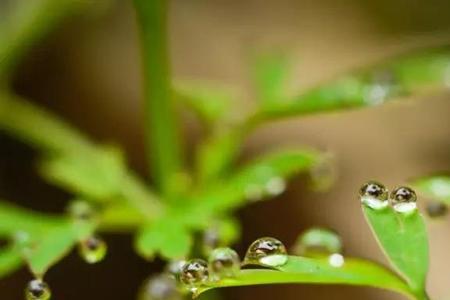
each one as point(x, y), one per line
point(108, 196)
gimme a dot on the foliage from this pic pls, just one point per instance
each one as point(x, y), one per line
point(183, 202)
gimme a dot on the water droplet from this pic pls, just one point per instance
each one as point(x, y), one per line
point(224, 262)
point(37, 290)
point(336, 260)
point(81, 210)
point(383, 85)
point(254, 192)
point(194, 274)
point(318, 242)
point(275, 186)
point(374, 195)
point(93, 249)
point(160, 287)
point(266, 251)
point(174, 268)
point(403, 200)
point(436, 209)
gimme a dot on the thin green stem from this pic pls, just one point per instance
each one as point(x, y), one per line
point(163, 145)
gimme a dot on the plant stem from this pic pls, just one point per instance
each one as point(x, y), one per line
point(163, 146)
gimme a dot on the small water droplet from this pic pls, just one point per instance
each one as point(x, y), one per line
point(195, 273)
point(336, 260)
point(383, 84)
point(81, 210)
point(266, 251)
point(374, 195)
point(275, 186)
point(436, 209)
point(403, 200)
point(37, 290)
point(93, 249)
point(318, 242)
point(224, 262)
point(174, 268)
point(160, 287)
point(254, 192)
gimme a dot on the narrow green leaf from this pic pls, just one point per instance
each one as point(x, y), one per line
point(318, 271)
point(10, 260)
point(166, 237)
point(210, 102)
point(403, 238)
point(94, 174)
point(263, 177)
point(399, 76)
point(270, 72)
point(436, 187)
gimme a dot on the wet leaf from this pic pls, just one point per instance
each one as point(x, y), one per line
point(404, 240)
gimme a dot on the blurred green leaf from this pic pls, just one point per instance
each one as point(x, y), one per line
point(271, 72)
point(436, 187)
point(94, 174)
point(10, 260)
point(264, 176)
point(166, 237)
point(399, 76)
point(216, 154)
point(211, 102)
point(318, 271)
point(404, 240)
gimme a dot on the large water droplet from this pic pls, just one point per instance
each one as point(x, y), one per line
point(275, 186)
point(224, 262)
point(436, 209)
point(37, 290)
point(318, 242)
point(374, 195)
point(195, 273)
point(93, 249)
point(403, 200)
point(160, 287)
point(336, 260)
point(174, 268)
point(266, 251)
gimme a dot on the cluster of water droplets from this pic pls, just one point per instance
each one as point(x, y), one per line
point(375, 195)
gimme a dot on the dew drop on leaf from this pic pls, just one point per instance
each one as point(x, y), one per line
point(37, 290)
point(336, 260)
point(80, 210)
point(403, 200)
point(194, 274)
point(275, 186)
point(436, 209)
point(318, 242)
point(174, 268)
point(266, 251)
point(93, 249)
point(160, 287)
point(374, 195)
point(224, 262)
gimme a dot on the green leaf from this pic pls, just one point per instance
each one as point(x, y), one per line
point(403, 238)
point(210, 102)
point(46, 249)
point(400, 76)
point(270, 72)
point(436, 187)
point(164, 236)
point(94, 174)
point(265, 176)
point(10, 260)
point(318, 271)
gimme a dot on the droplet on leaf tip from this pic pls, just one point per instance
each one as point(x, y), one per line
point(403, 200)
point(374, 195)
point(37, 290)
point(93, 249)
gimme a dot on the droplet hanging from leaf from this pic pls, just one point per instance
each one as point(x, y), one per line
point(93, 249)
point(37, 290)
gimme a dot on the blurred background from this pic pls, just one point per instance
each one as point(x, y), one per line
point(88, 71)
